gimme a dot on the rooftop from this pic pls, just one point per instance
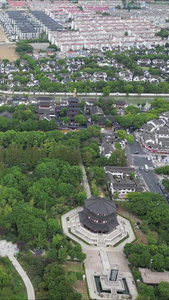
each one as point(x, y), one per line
point(100, 206)
point(150, 277)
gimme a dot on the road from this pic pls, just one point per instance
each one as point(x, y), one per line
point(139, 161)
point(116, 95)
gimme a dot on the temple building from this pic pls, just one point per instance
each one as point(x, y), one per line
point(99, 215)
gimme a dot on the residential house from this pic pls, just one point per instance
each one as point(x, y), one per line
point(109, 138)
point(102, 120)
point(97, 76)
point(147, 128)
point(119, 172)
point(158, 62)
point(126, 75)
point(154, 79)
point(164, 116)
point(162, 133)
point(96, 110)
point(140, 78)
point(122, 186)
point(120, 104)
point(6, 114)
point(144, 62)
point(107, 149)
point(148, 139)
point(157, 123)
point(164, 143)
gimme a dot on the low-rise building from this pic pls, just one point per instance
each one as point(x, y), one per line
point(119, 172)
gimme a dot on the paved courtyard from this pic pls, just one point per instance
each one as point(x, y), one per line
point(7, 248)
point(100, 259)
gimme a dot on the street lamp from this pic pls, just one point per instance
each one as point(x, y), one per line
point(151, 261)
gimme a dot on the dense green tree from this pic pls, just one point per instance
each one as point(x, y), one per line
point(106, 91)
point(132, 175)
point(163, 291)
point(23, 47)
point(121, 134)
point(80, 119)
point(147, 292)
point(4, 278)
point(15, 179)
point(133, 110)
point(97, 173)
point(158, 262)
point(162, 170)
point(52, 227)
point(118, 158)
point(108, 123)
point(140, 89)
point(129, 138)
point(95, 118)
point(135, 260)
point(128, 88)
point(87, 158)
point(80, 197)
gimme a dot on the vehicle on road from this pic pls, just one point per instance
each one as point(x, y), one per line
point(136, 152)
point(146, 168)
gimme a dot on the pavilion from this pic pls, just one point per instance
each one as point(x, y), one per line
point(98, 215)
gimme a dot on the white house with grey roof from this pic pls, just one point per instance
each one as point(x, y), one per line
point(119, 172)
point(157, 123)
point(162, 133)
point(123, 185)
point(155, 136)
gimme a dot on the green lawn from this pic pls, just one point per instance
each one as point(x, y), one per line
point(73, 266)
point(80, 285)
point(145, 68)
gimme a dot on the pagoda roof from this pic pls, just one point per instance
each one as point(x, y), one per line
point(100, 206)
point(97, 226)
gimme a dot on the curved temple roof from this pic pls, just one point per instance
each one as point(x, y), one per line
point(100, 206)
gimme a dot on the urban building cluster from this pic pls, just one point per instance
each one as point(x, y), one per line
point(89, 25)
point(28, 26)
point(24, 29)
point(93, 26)
point(155, 134)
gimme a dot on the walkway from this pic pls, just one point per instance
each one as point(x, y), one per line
point(24, 276)
point(85, 181)
point(10, 250)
